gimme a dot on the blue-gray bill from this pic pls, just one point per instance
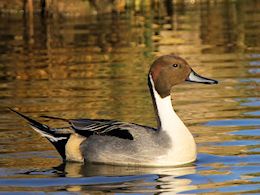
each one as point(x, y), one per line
point(194, 77)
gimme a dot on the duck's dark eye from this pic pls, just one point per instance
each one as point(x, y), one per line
point(175, 65)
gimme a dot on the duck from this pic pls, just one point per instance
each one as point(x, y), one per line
point(115, 142)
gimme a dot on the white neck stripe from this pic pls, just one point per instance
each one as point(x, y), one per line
point(169, 120)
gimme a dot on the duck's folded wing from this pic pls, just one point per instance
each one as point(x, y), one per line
point(87, 127)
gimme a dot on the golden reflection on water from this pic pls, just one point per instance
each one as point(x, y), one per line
point(95, 66)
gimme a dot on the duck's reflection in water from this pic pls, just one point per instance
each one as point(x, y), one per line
point(128, 179)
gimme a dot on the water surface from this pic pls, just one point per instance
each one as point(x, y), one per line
point(95, 66)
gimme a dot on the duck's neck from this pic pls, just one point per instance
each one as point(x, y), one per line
point(167, 119)
point(183, 148)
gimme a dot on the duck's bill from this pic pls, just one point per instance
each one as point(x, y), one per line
point(194, 77)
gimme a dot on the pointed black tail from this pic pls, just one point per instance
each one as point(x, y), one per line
point(56, 137)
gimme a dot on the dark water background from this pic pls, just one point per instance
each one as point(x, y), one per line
point(95, 66)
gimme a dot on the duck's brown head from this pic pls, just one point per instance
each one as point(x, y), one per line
point(170, 70)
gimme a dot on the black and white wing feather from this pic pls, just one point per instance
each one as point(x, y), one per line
point(88, 127)
point(103, 127)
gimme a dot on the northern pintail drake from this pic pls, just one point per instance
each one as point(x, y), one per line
point(121, 143)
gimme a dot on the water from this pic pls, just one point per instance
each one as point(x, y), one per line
point(95, 66)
